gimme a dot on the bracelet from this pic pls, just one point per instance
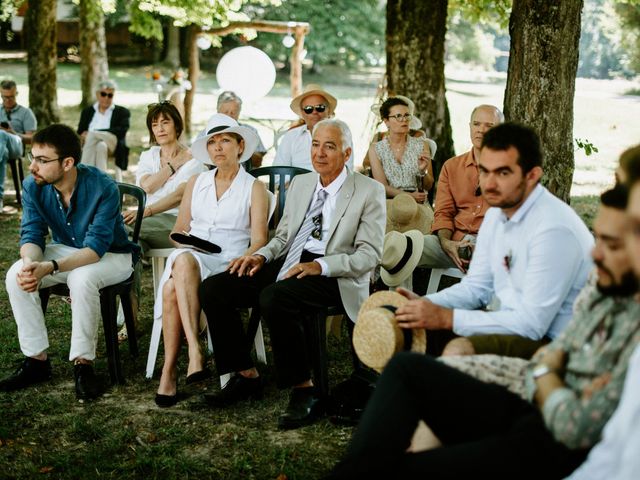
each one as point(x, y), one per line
point(173, 170)
point(56, 267)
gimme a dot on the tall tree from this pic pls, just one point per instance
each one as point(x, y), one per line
point(93, 48)
point(173, 46)
point(415, 65)
point(543, 61)
point(40, 25)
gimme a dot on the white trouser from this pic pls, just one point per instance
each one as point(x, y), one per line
point(84, 284)
point(97, 148)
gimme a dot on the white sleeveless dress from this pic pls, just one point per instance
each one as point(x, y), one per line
point(225, 222)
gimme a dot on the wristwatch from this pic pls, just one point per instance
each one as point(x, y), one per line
point(541, 370)
point(56, 267)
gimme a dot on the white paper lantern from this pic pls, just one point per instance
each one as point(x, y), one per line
point(203, 42)
point(288, 41)
point(247, 71)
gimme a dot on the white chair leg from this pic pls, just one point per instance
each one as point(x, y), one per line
point(434, 280)
point(259, 344)
point(153, 347)
point(157, 269)
point(118, 174)
point(224, 379)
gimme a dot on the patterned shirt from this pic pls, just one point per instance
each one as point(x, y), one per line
point(599, 340)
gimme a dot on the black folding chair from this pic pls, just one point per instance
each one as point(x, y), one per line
point(108, 296)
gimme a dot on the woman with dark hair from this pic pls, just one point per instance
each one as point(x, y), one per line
point(162, 173)
point(401, 162)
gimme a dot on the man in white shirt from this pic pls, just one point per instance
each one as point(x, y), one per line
point(312, 105)
point(102, 128)
point(532, 254)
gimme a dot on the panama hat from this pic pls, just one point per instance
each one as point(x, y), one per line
point(414, 124)
point(313, 89)
point(220, 123)
point(377, 336)
point(400, 256)
point(404, 214)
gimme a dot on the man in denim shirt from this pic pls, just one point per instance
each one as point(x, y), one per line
point(90, 250)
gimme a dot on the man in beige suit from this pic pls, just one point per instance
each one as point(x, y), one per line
point(326, 246)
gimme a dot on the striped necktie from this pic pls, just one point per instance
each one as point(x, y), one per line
point(295, 252)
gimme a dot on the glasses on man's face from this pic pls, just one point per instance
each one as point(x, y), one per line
point(401, 117)
point(39, 160)
point(308, 109)
point(317, 227)
point(106, 94)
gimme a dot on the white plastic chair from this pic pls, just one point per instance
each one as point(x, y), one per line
point(158, 259)
point(436, 275)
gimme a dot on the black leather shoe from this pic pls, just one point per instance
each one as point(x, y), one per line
point(199, 376)
point(237, 389)
point(86, 382)
point(304, 409)
point(30, 371)
point(166, 401)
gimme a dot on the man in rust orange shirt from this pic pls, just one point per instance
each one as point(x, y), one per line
point(459, 208)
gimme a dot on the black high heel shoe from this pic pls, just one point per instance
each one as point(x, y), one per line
point(166, 401)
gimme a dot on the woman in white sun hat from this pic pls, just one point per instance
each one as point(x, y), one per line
point(225, 206)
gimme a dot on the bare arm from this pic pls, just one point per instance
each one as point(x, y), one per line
point(259, 213)
point(34, 269)
point(153, 181)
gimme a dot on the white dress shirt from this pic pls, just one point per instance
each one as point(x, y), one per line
point(617, 456)
point(535, 263)
point(149, 164)
point(101, 121)
point(294, 150)
point(313, 245)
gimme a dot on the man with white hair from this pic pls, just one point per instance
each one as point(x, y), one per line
point(327, 243)
point(103, 127)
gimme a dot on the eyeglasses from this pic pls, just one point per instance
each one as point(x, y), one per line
point(106, 94)
point(308, 109)
point(401, 117)
point(317, 227)
point(39, 160)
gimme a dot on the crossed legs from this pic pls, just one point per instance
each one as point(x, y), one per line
point(180, 313)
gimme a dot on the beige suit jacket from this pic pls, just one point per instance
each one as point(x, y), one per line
point(355, 237)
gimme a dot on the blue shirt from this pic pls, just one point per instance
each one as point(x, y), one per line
point(21, 119)
point(93, 219)
point(535, 263)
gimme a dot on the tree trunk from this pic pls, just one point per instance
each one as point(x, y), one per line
point(173, 46)
point(40, 23)
point(94, 66)
point(543, 61)
point(415, 65)
point(194, 73)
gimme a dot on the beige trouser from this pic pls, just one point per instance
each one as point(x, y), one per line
point(97, 148)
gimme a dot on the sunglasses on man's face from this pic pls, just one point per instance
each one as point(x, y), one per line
point(106, 94)
point(308, 109)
